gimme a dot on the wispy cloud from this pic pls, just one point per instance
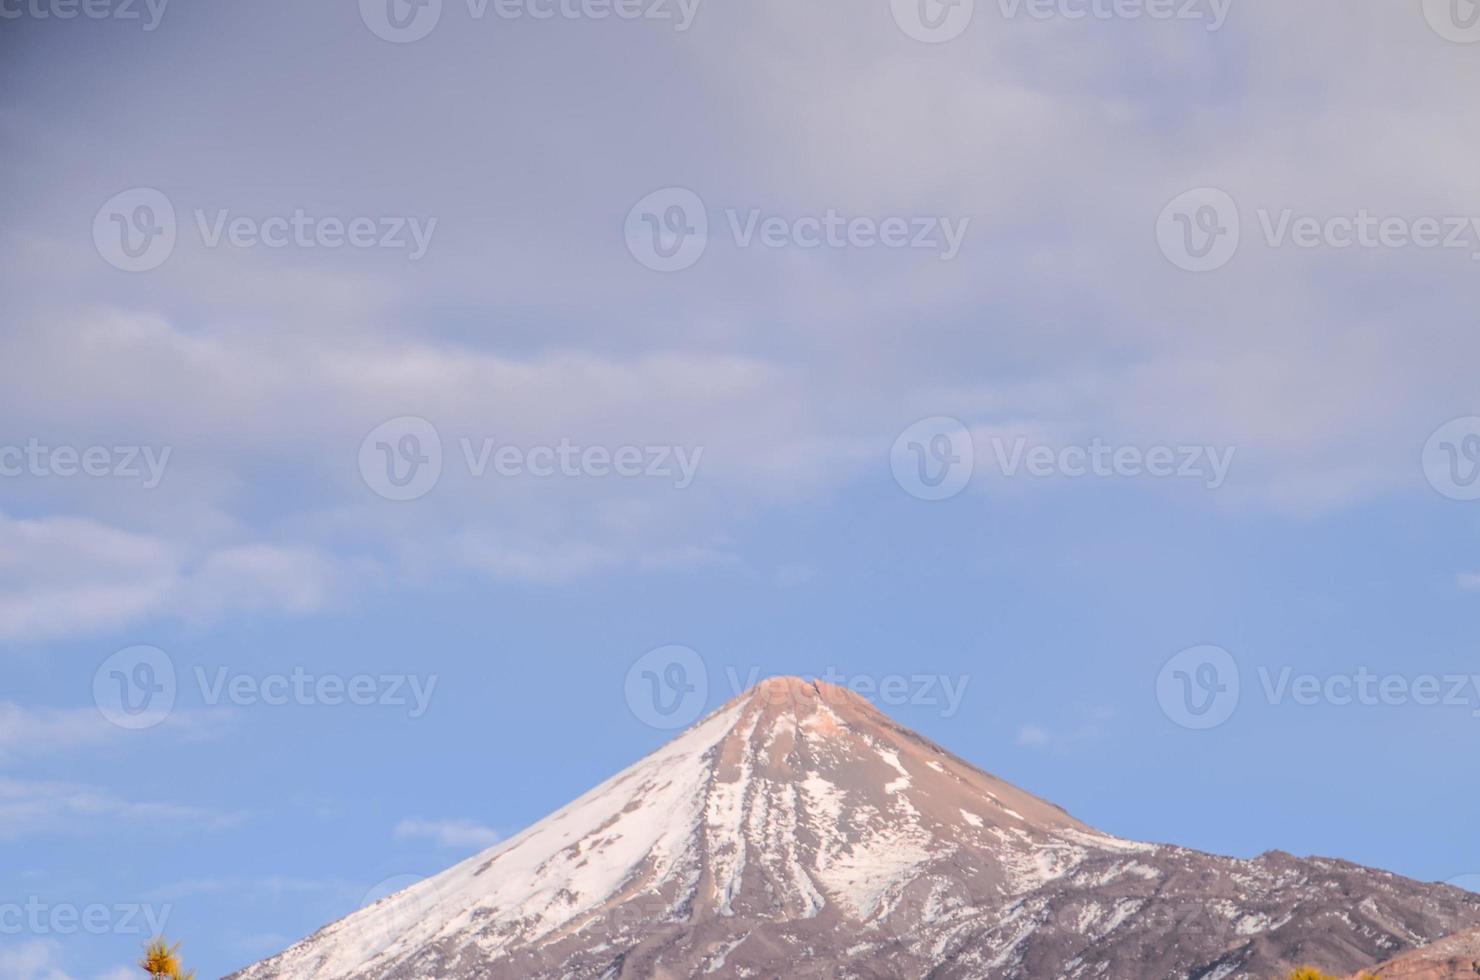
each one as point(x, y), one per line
point(63, 576)
point(1091, 728)
point(41, 959)
point(35, 960)
point(32, 733)
point(273, 886)
point(31, 808)
point(35, 731)
point(448, 833)
point(1034, 735)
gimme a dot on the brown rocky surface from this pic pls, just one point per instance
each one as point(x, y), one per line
point(1452, 958)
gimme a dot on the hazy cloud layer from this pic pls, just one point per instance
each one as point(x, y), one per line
point(528, 323)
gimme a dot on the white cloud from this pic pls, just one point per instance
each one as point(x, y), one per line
point(790, 576)
point(1326, 397)
point(41, 959)
point(227, 405)
point(66, 576)
point(1060, 140)
point(1034, 735)
point(184, 550)
point(38, 959)
point(32, 732)
point(461, 834)
point(31, 807)
point(274, 886)
point(1090, 728)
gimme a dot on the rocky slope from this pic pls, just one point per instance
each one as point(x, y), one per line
point(798, 832)
point(1452, 958)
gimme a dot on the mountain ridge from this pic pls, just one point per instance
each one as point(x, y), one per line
point(799, 831)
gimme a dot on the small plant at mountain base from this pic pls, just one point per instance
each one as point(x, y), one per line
point(1311, 973)
point(162, 961)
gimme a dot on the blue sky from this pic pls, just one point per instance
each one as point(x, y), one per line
point(504, 295)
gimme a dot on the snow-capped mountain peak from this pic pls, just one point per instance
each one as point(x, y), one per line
point(799, 831)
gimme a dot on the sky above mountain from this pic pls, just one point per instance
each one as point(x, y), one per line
point(412, 415)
